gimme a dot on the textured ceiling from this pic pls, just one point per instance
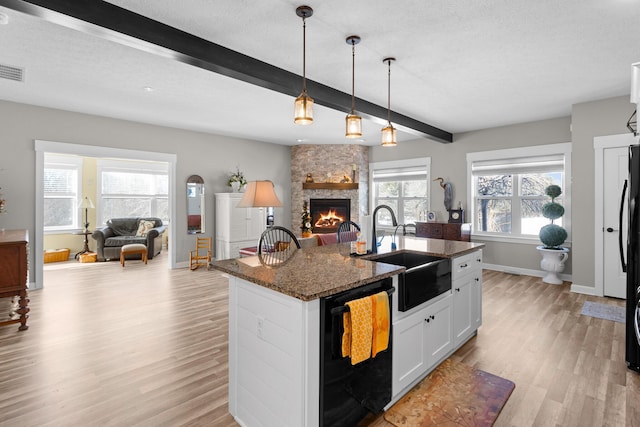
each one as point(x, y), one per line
point(461, 66)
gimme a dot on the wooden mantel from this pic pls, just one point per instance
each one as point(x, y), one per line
point(330, 185)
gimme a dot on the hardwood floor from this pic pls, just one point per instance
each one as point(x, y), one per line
point(147, 346)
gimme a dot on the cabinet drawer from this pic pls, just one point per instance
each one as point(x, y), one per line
point(466, 264)
point(431, 230)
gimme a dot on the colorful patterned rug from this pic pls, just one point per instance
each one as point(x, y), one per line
point(604, 311)
point(454, 394)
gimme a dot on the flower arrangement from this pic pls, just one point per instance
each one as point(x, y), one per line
point(237, 177)
point(553, 235)
point(305, 225)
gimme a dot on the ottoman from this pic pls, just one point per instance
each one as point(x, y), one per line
point(133, 248)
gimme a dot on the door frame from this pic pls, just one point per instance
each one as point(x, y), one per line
point(42, 147)
point(601, 143)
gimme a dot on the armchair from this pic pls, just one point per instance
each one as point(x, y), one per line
point(123, 231)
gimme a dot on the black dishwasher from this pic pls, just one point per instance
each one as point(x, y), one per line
point(349, 392)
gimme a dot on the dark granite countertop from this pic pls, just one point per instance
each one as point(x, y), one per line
point(316, 272)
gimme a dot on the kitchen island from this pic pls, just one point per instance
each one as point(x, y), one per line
point(274, 326)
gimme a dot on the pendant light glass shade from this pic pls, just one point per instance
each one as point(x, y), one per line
point(388, 132)
point(303, 108)
point(354, 126)
point(389, 136)
point(353, 121)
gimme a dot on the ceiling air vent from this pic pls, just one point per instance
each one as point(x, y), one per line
point(11, 73)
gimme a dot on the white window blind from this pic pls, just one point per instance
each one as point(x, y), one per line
point(523, 165)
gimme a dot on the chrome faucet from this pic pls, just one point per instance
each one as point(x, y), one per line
point(374, 238)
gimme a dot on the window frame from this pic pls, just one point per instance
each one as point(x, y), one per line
point(67, 162)
point(562, 149)
point(132, 166)
point(398, 165)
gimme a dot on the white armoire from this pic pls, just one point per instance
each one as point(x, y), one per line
point(236, 228)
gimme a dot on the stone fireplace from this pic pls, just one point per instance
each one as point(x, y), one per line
point(327, 214)
point(329, 166)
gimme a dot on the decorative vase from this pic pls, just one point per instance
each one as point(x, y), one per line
point(553, 263)
point(235, 186)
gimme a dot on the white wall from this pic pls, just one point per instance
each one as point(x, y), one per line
point(212, 157)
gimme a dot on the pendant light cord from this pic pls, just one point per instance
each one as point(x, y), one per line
point(304, 54)
point(353, 78)
point(389, 93)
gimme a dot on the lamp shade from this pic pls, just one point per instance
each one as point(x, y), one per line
point(259, 194)
point(86, 203)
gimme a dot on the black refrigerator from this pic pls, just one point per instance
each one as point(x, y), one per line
point(632, 264)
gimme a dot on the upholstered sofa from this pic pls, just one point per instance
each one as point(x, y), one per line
point(123, 231)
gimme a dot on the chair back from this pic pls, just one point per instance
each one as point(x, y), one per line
point(348, 231)
point(277, 239)
point(203, 243)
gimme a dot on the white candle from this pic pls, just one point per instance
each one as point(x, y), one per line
point(353, 166)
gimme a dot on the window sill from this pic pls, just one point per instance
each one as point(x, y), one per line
point(534, 241)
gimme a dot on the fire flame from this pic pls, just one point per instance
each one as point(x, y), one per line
point(330, 219)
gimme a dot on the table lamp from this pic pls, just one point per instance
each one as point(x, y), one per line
point(259, 194)
point(86, 204)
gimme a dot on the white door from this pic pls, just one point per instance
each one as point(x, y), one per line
point(616, 163)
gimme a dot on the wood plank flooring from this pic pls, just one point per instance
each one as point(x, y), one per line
point(147, 346)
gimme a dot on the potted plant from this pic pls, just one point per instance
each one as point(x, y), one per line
point(237, 181)
point(305, 225)
point(553, 236)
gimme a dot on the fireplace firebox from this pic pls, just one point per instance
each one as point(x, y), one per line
point(327, 214)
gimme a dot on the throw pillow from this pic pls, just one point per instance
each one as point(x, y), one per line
point(144, 226)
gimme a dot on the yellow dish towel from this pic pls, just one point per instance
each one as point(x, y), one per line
point(358, 329)
point(380, 310)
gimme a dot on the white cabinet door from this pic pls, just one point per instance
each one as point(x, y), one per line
point(462, 307)
point(419, 342)
point(467, 296)
point(438, 331)
point(236, 228)
point(409, 346)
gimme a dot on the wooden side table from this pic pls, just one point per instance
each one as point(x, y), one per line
point(14, 272)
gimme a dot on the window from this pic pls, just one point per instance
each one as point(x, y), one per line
point(403, 186)
point(508, 189)
point(132, 189)
point(61, 192)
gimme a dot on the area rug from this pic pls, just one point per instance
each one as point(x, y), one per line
point(454, 394)
point(604, 311)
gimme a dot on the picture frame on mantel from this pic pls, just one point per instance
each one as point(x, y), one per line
point(432, 217)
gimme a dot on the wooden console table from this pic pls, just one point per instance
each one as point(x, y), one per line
point(444, 230)
point(14, 272)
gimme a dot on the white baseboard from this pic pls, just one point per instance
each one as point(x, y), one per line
point(587, 290)
point(522, 271)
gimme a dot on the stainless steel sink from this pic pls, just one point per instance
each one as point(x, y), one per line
point(426, 277)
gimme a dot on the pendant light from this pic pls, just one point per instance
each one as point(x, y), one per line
point(303, 111)
point(388, 132)
point(354, 122)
